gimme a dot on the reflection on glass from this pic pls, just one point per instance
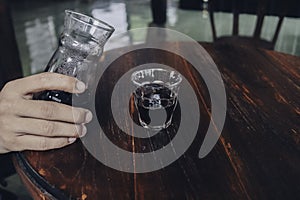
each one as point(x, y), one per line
point(80, 45)
point(156, 96)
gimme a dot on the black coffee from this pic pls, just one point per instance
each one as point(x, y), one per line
point(155, 104)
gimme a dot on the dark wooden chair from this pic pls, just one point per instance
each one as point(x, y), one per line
point(237, 8)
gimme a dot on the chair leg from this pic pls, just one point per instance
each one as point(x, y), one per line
point(159, 11)
point(277, 31)
point(212, 23)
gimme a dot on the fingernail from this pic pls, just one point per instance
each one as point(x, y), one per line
point(80, 86)
point(83, 131)
point(71, 140)
point(88, 116)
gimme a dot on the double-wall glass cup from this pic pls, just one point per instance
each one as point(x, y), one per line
point(80, 44)
point(155, 96)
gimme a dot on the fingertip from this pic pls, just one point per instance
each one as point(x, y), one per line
point(71, 140)
point(88, 116)
point(80, 86)
point(84, 131)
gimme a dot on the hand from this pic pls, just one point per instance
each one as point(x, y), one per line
point(27, 124)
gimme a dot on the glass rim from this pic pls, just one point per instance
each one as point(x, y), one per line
point(156, 69)
point(108, 27)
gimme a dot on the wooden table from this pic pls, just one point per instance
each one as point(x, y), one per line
point(256, 157)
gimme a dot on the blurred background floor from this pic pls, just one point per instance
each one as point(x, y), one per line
point(38, 24)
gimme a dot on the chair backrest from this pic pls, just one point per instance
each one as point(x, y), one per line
point(260, 11)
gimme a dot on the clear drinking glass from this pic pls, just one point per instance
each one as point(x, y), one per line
point(81, 42)
point(155, 96)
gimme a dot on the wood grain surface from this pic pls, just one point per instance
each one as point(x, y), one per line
point(256, 157)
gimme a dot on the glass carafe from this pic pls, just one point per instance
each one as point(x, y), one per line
point(81, 42)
